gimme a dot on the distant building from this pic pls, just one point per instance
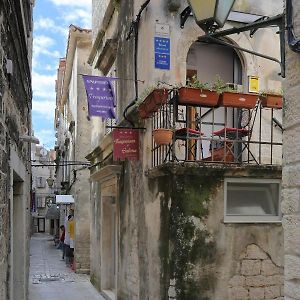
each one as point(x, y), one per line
point(42, 194)
point(73, 132)
point(15, 142)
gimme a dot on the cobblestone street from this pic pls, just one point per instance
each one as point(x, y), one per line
point(51, 279)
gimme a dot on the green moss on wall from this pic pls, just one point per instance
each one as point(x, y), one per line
point(186, 245)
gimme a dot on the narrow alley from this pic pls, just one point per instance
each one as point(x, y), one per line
point(49, 276)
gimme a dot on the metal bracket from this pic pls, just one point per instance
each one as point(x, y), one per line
point(184, 16)
point(277, 21)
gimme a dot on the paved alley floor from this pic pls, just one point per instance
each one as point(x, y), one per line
point(51, 279)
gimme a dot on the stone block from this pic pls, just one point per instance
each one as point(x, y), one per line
point(254, 252)
point(291, 221)
point(292, 241)
point(291, 290)
point(272, 292)
point(269, 268)
point(256, 281)
point(292, 267)
point(238, 293)
point(274, 280)
point(291, 154)
point(291, 176)
point(256, 293)
point(251, 267)
point(237, 281)
point(291, 200)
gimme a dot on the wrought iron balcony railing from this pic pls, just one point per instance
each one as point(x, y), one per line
point(218, 134)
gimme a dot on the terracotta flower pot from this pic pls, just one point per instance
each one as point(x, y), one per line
point(197, 97)
point(152, 102)
point(272, 101)
point(162, 136)
point(239, 100)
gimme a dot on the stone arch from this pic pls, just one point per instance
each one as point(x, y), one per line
point(190, 36)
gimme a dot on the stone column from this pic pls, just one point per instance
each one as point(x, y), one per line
point(291, 168)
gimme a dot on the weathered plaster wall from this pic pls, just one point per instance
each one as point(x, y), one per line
point(291, 169)
point(201, 257)
point(95, 265)
point(136, 281)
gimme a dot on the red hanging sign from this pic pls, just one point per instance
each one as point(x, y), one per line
point(126, 144)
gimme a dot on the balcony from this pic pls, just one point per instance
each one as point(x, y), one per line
point(224, 131)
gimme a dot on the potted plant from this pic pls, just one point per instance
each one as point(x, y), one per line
point(230, 97)
point(162, 136)
point(271, 99)
point(197, 93)
point(163, 132)
point(152, 99)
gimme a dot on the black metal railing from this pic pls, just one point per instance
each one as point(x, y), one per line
point(225, 135)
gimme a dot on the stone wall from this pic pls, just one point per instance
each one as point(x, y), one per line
point(15, 107)
point(257, 277)
point(291, 168)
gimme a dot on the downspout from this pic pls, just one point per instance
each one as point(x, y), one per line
point(134, 28)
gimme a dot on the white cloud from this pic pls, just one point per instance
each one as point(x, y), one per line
point(44, 108)
point(43, 85)
point(46, 137)
point(50, 25)
point(49, 67)
point(78, 3)
point(80, 17)
point(42, 45)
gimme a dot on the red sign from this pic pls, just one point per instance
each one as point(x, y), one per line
point(126, 144)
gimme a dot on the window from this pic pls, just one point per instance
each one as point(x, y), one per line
point(250, 200)
point(40, 182)
point(40, 202)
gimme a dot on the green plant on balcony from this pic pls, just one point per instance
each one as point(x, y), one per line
point(271, 98)
point(230, 97)
point(197, 93)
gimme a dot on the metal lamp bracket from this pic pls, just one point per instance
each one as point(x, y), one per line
point(293, 41)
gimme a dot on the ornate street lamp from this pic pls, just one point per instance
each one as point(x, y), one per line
point(211, 14)
point(50, 181)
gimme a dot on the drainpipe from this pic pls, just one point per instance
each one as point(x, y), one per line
point(134, 28)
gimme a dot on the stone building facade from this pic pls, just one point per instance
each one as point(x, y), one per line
point(42, 194)
point(290, 173)
point(162, 231)
point(73, 138)
point(15, 122)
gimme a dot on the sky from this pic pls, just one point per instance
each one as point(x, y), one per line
point(51, 26)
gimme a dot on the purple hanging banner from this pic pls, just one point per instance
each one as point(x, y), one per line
point(101, 96)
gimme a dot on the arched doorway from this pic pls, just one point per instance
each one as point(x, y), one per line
point(208, 62)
